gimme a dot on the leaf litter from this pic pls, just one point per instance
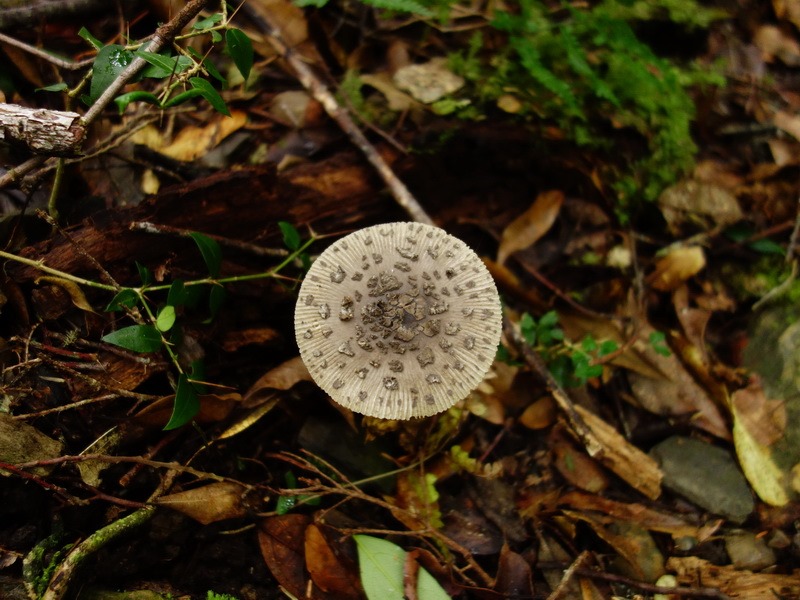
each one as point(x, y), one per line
point(582, 483)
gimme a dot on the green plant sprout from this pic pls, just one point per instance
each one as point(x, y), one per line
point(571, 364)
point(156, 328)
point(184, 73)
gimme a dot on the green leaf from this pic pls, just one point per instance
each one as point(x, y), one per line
point(166, 318)
point(144, 273)
point(241, 49)
point(216, 298)
point(124, 100)
point(177, 293)
point(137, 338)
point(93, 41)
point(607, 347)
point(212, 255)
point(56, 87)
point(182, 97)
point(162, 66)
point(428, 588)
point(380, 564)
point(111, 60)
point(767, 246)
point(126, 298)
point(314, 3)
point(208, 21)
point(527, 326)
point(291, 237)
point(186, 406)
point(207, 65)
point(208, 92)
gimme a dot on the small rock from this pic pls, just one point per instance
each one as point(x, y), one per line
point(706, 475)
point(747, 551)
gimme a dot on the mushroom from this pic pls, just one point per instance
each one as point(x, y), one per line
point(397, 321)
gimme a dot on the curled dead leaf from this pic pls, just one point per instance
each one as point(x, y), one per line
point(209, 503)
point(73, 289)
point(530, 226)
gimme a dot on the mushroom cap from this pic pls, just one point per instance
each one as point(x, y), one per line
point(398, 320)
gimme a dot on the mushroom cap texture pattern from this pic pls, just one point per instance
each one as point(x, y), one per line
point(398, 320)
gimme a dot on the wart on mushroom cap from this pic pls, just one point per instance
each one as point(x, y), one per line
point(398, 320)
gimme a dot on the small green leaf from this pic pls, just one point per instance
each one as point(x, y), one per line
point(144, 273)
point(197, 374)
point(216, 298)
point(767, 246)
point(380, 564)
point(291, 237)
point(208, 92)
point(182, 97)
point(124, 100)
point(241, 49)
point(607, 347)
point(125, 298)
point(56, 87)
point(111, 60)
point(527, 327)
point(285, 504)
point(166, 318)
point(93, 41)
point(207, 65)
point(208, 22)
point(177, 293)
point(137, 338)
point(186, 406)
point(209, 248)
point(162, 66)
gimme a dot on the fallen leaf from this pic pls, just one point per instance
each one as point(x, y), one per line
point(21, 443)
point(698, 203)
point(282, 543)
point(428, 82)
point(539, 414)
point(514, 578)
point(330, 569)
point(283, 377)
point(397, 100)
point(530, 226)
point(775, 43)
point(210, 503)
point(678, 266)
point(73, 289)
point(575, 465)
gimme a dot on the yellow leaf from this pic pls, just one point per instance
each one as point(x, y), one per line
point(679, 265)
point(72, 288)
point(756, 461)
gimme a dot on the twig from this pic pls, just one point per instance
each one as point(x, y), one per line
point(61, 63)
point(323, 95)
point(569, 574)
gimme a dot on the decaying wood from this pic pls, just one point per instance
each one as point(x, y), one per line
point(332, 196)
point(41, 131)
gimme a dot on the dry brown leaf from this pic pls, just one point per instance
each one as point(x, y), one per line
point(282, 543)
point(20, 443)
point(194, 142)
point(530, 226)
point(73, 289)
point(633, 543)
point(676, 392)
point(626, 460)
point(775, 43)
point(282, 377)
point(428, 82)
point(643, 516)
point(209, 503)
point(328, 566)
point(763, 417)
point(788, 10)
point(700, 203)
point(539, 414)
point(678, 266)
point(575, 465)
point(788, 122)
point(735, 583)
point(398, 101)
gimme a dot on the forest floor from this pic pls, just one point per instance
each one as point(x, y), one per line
point(628, 172)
